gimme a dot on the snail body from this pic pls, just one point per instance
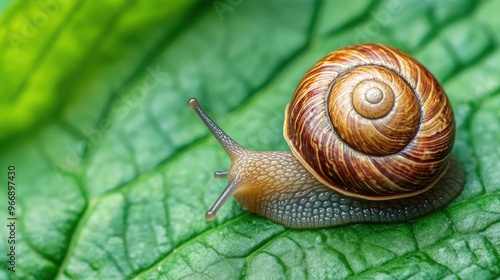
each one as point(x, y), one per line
point(371, 133)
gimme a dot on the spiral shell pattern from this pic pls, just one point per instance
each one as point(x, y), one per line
point(371, 122)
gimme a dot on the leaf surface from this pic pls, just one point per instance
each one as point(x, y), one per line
point(114, 172)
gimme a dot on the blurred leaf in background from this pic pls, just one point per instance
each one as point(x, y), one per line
point(114, 172)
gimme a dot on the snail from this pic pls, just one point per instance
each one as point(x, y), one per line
point(371, 133)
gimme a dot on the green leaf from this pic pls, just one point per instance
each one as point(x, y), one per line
point(114, 172)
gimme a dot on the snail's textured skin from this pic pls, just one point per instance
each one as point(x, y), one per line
point(371, 118)
point(300, 201)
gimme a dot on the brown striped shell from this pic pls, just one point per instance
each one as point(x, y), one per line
point(371, 122)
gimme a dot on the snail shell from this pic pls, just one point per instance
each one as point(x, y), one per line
point(371, 122)
point(371, 133)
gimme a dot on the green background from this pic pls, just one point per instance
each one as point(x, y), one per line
point(114, 172)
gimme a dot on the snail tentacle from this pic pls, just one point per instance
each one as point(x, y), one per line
point(232, 148)
point(220, 174)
